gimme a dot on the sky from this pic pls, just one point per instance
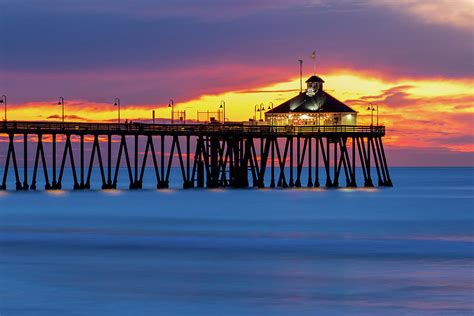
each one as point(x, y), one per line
point(412, 58)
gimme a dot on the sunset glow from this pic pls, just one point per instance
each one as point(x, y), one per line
point(440, 111)
point(414, 63)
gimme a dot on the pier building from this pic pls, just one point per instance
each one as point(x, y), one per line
point(313, 106)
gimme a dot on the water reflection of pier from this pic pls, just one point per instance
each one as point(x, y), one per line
point(206, 155)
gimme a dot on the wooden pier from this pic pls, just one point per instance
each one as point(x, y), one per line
point(206, 155)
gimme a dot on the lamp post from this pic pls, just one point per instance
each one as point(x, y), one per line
point(270, 107)
point(61, 102)
point(222, 106)
point(117, 104)
point(153, 116)
point(4, 101)
point(373, 107)
point(377, 108)
point(171, 105)
point(319, 117)
point(260, 108)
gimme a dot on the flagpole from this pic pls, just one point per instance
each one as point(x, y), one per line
point(313, 57)
point(314, 65)
point(301, 75)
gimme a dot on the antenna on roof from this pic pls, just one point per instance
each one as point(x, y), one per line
point(301, 75)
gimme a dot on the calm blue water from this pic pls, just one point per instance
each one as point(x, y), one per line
point(402, 251)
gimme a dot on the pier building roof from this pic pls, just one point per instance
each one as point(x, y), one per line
point(314, 79)
point(314, 99)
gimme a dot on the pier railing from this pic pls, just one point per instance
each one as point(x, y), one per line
point(230, 128)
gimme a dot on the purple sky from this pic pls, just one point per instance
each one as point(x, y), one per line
point(90, 49)
point(148, 51)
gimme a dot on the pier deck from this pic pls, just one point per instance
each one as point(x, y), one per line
point(207, 155)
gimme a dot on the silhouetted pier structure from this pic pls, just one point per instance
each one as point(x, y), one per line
point(206, 155)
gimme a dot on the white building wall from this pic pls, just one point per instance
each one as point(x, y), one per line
point(283, 119)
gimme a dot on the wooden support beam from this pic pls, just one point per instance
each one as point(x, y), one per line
point(291, 183)
point(255, 170)
point(67, 149)
point(348, 171)
point(226, 152)
point(180, 158)
point(11, 156)
point(201, 162)
point(82, 184)
point(162, 184)
point(381, 162)
point(155, 161)
point(230, 147)
point(253, 163)
point(325, 156)
point(243, 169)
point(40, 154)
point(25, 162)
point(136, 182)
point(336, 165)
point(123, 149)
point(170, 162)
point(54, 185)
point(188, 183)
point(361, 160)
point(282, 162)
point(381, 179)
point(298, 157)
point(197, 157)
point(365, 157)
point(117, 167)
point(316, 168)
point(300, 160)
point(223, 156)
point(236, 172)
point(245, 156)
point(205, 156)
point(45, 169)
point(369, 170)
point(310, 162)
point(96, 148)
point(353, 145)
point(384, 159)
point(15, 165)
point(109, 162)
point(213, 179)
point(272, 179)
point(145, 156)
point(3, 186)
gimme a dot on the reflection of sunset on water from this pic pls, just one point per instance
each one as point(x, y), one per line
point(61, 193)
point(112, 192)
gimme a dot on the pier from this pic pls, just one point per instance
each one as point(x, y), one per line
point(235, 155)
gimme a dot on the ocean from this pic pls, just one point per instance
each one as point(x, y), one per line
point(406, 250)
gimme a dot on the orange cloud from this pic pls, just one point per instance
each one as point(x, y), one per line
point(418, 113)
